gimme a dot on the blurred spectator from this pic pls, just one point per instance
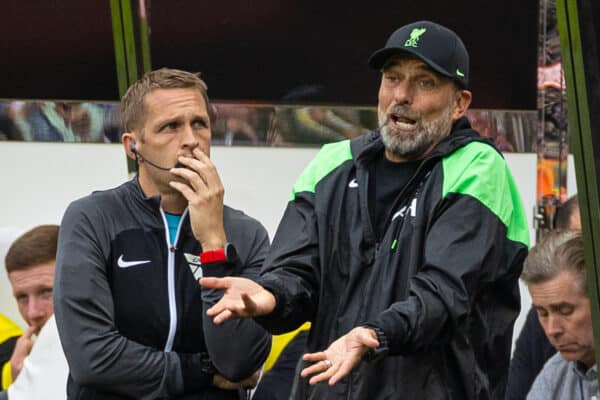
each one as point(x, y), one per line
point(62, 122)
point(483, 122)
point(36, 370)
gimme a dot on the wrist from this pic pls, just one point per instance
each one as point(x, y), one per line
point(213, 242)
point(382, 350)
point(227, 253)
point(198, 371)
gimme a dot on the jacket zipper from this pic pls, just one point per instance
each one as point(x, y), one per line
point(171, 278)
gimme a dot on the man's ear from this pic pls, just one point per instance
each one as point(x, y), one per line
point(129, 143)
point(462, 103)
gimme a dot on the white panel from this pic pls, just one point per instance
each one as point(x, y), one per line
point(40, 179)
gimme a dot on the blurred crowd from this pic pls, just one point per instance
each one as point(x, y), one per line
point(241, 124)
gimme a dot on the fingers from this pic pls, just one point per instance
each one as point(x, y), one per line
point(215, 283)
point(323, 367)
point(227, 309)
point(340, 372)
point(31, 330)
point(200, 171)
point(368, 337)
point(223, 316)
point(314, 357)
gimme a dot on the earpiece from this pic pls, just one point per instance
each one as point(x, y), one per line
point(139, 157)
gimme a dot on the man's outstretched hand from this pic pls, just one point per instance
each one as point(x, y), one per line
point(242, 298)
point(340, 357)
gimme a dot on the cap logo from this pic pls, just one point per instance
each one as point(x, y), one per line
point(415, 35)
point(458, 73)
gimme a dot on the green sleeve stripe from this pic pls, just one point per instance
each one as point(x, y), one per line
point(330, 157)
point(479, 171)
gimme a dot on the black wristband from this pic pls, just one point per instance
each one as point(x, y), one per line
point(197, 370)
point(381, 351)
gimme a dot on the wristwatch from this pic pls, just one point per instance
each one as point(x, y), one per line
point(226, 254)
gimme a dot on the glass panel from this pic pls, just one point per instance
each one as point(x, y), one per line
point(242, 124)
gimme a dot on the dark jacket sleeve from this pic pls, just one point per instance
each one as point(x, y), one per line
point(238, 348)
point(295, 257)
point(532, 350)
point(469, 271)
point(97, 354)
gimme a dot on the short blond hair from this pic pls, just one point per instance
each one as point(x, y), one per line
point(132, 104)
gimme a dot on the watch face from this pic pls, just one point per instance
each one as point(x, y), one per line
point(230, 252)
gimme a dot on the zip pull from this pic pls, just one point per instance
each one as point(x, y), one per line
point(172, 249)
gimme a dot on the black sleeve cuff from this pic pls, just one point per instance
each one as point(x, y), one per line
point(380, 352)
point(197, 371)
point(218, 269)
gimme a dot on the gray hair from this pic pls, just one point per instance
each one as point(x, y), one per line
point(559, 251)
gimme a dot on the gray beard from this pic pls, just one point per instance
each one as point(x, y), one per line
point(413, 146)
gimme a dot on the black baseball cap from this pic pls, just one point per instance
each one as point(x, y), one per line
point(437, 46)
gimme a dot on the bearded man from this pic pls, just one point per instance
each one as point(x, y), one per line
point(403, 247)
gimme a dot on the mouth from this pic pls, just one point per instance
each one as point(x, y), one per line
point(399, 121)
point(567, 348)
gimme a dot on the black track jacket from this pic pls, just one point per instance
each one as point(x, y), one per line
point(442, 284)
point(131, 314)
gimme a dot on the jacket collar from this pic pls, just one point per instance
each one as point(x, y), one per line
point(366, 147)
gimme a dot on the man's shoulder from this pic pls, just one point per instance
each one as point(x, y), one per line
point(99, 204)
point(555, 370)
point(556, 365)
point(103, 197)
point(238, 219)
point(555, 380)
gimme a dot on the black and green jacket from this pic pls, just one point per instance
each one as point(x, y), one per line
point(442, 283)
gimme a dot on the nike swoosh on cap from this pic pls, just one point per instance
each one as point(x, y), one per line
point(126, 264)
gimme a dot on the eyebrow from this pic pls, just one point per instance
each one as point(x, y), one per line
point(555, 306)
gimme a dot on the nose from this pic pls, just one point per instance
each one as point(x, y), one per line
point(190, 138)
point(38, 310)
point(403, 93)
point(553, 326)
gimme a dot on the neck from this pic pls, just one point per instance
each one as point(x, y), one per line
point(171, 200)
point(173, 203)
point(586, 364)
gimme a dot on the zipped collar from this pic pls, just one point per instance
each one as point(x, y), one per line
point(365, 148)
point(150, 206)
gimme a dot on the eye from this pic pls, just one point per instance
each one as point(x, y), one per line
point(46, 293)
point(426, 83)
point(200, 123)
point(542, 313)
point(390, 79)
point(169, 126)
point(566, 310)
point(22, 299)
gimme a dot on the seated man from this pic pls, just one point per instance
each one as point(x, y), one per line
point(554, 273)
point(532, 348)
point(40, 370)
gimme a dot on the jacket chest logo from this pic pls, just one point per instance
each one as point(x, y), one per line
point(410, 209)
point(194, 264)
point(130, 263)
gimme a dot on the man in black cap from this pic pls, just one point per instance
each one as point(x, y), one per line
point(403, 247)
